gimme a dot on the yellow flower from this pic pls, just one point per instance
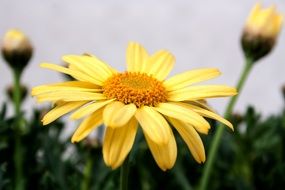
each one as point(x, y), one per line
point(264, 22)
point(140, 95)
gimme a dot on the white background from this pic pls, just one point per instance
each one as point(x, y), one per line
point(199, 33)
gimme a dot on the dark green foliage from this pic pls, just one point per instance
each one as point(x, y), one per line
point(252, 157)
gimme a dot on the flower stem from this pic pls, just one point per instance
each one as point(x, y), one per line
point(220, 128)
point(87, 174)
point(124, 174)
point(17, 92)
point(18, 154)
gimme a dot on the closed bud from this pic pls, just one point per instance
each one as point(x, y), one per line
point(237, 118)
point(261, 31)
point(16, 49)
point(23, 90)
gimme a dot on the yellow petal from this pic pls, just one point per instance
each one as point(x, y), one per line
point(90, 66)
point(201, 92)
point(110, 110)
point(210, 114)
point(77, 85)
point(67, 96)
point(190, 77)
point(278, 22)
point(266, 22)
point(160, 64)
point(118, 114)
point(191, 138)
point(86, 110)
point(263, 17)
point(96, 63)
point(114, 71)
point(201, 103)
point(88, 124)
point(136, 57)
point(60, 110)
point(80, 84)
point(75, 74)
point(164, 154)
point(254, 13)
point(153, 124)
point(177, 111)
point(118, 143)
point(51, 88)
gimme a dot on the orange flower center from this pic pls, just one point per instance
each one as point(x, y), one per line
point(137, 88)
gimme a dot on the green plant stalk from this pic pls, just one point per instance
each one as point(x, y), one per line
point(220, 128)
point(180, 176)
point(18, 154)
point(87, 174)
point(124, 174)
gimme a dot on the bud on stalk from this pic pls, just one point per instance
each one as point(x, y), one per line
point(16, 49)
point(260, 32)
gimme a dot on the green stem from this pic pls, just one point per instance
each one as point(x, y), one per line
point(87, 173)
point(124, 174)
point(220, 128)
point(17, 92)
point(18, 158)
point(180, 176)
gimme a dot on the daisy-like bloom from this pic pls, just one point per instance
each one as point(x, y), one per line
point(140, 95)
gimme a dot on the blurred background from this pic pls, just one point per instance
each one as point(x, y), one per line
point(200, 34)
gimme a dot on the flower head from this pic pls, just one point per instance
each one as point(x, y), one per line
point(16, 49)
point(261, 31)
point(140, 95)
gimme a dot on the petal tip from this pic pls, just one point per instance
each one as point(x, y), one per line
point(206, 132)
point(43, 65)
point(44, 122)
point(75, 139)
point(231, 127)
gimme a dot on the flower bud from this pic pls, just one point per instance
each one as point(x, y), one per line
point(16, 49)
point(23, 90)
point(261, 31)
point(237, 118)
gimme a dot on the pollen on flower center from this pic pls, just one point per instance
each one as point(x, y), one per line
point(137, 88)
